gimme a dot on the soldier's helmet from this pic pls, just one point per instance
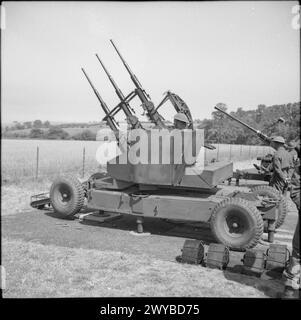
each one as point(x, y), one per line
point(291, 145)
point(278, 139)
point(181, 117)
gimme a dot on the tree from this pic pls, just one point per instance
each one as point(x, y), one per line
point(57, 133)
point(27, 124)
point(36, 133)
point(46, 124)
point(18, 126)
point(37, 124)
point(217, 115)
point(85, 135)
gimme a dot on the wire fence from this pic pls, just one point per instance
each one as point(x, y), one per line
point(43, 158)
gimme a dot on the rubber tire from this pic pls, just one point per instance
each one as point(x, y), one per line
point(76, 193)
point(245, 209)
point(274, 194)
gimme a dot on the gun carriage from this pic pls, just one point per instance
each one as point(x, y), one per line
point(180, 191)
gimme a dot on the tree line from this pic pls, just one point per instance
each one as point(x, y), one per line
point(282, 120)
point(56, 133)
point(218, 129)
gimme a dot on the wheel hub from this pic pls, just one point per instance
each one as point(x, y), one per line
point(234, 225)
point(63, 194)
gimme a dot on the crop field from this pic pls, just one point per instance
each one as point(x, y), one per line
point(19, 158)
point(46, 158)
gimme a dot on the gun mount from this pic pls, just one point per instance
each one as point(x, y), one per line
point(166, 190)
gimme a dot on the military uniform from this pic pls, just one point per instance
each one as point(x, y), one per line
point(281, 165)
point(294, 156)
point(292, 273)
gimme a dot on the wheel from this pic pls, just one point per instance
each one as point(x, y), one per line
point(270, 192)
point(67, 196)
point(236, 223)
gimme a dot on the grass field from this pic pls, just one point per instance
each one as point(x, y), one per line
point(19, 157)
point(93, 273)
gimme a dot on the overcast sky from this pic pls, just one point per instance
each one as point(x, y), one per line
point(239, 53)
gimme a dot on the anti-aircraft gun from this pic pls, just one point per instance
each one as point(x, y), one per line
point(170, 190)
point(147, 104)
point(261, 135)
point(263, 172)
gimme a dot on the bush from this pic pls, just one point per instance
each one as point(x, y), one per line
point(36, 133)
point(85, 135)
point(56, 133)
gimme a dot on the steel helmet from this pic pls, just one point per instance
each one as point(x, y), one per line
point(291, 145)
point(181, 117)
point(278, 139)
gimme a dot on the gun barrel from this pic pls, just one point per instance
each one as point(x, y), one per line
point(118, 91)
point(235, 119)
point(133, 77)
point(103, 104)
point(109, 119)
point(147, 104)
point(133, 120)
point(259, 133)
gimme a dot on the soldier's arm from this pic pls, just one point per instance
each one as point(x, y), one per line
point(291, 168)
point(277, 167)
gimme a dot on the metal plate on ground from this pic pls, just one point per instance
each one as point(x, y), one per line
point(99, 217)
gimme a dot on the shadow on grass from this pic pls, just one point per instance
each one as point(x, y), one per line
point(269, 287)
point(154, 226)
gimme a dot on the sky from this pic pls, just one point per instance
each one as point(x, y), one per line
point(239, 53)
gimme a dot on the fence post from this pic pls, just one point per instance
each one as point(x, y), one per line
point(84, 158)
point(37, 163)
point(230, 150)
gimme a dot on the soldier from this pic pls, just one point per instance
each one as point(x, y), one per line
point(180, 121)
point(281, 165)
point(291, 148)
point(292, 273)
